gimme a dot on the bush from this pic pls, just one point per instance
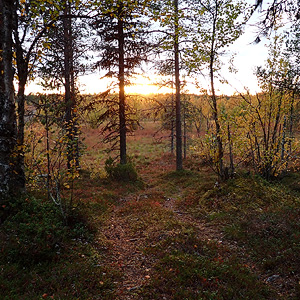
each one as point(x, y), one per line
point(35, 231)
point(123, 172)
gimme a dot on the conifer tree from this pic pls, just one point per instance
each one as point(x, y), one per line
point(122, 48)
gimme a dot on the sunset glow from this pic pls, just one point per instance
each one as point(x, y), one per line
point(91, 84)
point(145, 89)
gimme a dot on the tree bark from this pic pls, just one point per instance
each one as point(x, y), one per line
point(22, 68)
point(70, 103)
point(177, 94)
point(9, 184)
point(214, 101)
point(172, 121)
point(230, 151)
point(122, 116)
point(184, 133)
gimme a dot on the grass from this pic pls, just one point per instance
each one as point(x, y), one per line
point(42, 257)
point(189, 268)
point(263, 219)
point(201, 239)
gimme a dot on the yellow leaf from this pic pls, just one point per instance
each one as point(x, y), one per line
point(66, 185)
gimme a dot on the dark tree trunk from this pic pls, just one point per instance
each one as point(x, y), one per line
point(214, 101)
point(177, 94)
point(9, 183)
point(20, 132)
point(122, 116)
point(218, 128)
point(22, 67)
point(184, 132)
point(172, 121)
point(230, 151)
point(172, 136)
point(70, 103)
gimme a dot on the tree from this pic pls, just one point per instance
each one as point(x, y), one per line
point(171, 38)
point(9, 180)
point(274, 12)
point(218, 24)
point(271, 114)
point(31, 20)
point(123, 48)
point(60, 65)
point(177, 88)
point(69, 83)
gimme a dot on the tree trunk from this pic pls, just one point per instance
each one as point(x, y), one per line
point(67, 72)
point(9, 184)
point(214, 101)
point(20, 131)
point(218, 131)
point(172, 121)
point(22, 71)
point(22, 67)
point(184, 130)
point(122, 116)
point(70, 103)
point(230, 152)
point(177, 95)
point(172, 136)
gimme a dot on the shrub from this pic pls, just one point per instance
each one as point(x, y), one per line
point(123, 172)
point(35, 231)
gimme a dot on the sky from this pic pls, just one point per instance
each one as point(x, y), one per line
point(248, 56)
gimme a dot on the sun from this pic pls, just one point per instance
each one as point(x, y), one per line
point(146, 89)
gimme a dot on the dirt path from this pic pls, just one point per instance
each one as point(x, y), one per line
point(125, 247)
point(125, 255)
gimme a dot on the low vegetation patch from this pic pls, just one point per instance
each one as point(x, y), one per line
point(263, 219)
point(159, 234)
point(189, 268)
point(42, 256)
point(120, 172)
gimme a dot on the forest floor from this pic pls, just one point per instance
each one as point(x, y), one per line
point(169, 235)
point(139, 221)
point(161, 222)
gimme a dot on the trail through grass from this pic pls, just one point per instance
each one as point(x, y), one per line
point(169, 235)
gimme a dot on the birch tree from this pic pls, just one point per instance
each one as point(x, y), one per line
point(31, 21)
point(218, 23)
point(271, 113)
point(9, 179)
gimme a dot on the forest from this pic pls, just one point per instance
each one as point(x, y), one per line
point(176, 195)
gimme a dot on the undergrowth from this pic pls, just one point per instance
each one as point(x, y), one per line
point(120, 172)
point(189, 268)
point(43, 256)
point(263, 218)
